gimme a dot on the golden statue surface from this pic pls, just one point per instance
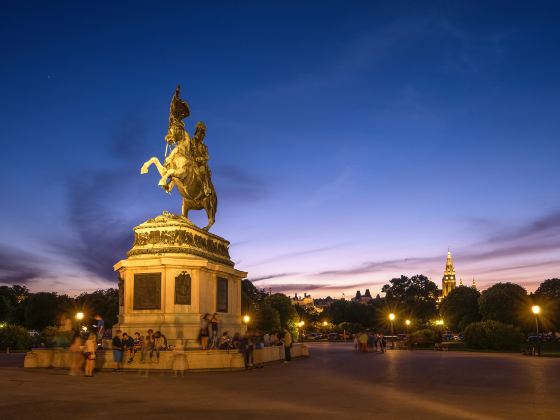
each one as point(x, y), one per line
point(186, 165)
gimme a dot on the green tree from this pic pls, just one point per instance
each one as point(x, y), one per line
point(12, 303)
point(42, 309)
point(250, 296)
point(414, 297)
point(460, 307)
point(14, 337)
point(267, 318)
point(547, 295)
point(505, 302)
point(5, 309)
point(101, 302)
point(352, 312)
point(286, 311)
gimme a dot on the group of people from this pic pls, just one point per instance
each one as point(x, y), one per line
point(125, 347)
point(253, 340)
point(208, 336)
point(210, 339)
point(368, 342)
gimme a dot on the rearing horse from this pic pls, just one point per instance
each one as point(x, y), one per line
point(180, 169)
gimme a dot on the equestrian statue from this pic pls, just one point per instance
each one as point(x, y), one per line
point(186, 164)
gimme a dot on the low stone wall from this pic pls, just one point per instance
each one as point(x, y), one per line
point(168, 360)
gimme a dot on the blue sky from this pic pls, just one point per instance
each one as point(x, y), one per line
point(350, 142)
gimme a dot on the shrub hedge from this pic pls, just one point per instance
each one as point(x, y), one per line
point(14, 337)
point(493, 335)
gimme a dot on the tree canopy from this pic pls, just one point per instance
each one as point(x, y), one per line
point(286, 311)
point(548, 296)
point(414, 297)
point(505, 302)
point(460, 308)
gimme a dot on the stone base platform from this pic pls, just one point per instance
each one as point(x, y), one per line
point(197, 360)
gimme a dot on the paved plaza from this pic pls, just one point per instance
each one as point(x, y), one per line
point(334, 383)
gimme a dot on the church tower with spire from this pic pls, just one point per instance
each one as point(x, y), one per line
point(448, 281)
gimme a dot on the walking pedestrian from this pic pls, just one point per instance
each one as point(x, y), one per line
point(91, 348)
point(77, 355)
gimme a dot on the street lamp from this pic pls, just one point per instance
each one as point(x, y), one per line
point(325, 323)
point(392, 318)
point(246, 319)
point(536, 311)
point(300, 330)
point(80, 316)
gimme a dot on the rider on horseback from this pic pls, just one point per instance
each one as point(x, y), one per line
point(200, 154)
point(186, 167)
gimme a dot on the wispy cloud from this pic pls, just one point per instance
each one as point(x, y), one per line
point(547, 226)
point(18, 266)
point(101, 235)
point(293, 287)
point(235, 183)
point(535, 237)
point(299, 253)
point(271, 276)
point(378, 266)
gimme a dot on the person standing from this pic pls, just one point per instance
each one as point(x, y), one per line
point(204, 325)
point(214, 326)
point(91, 348)
point(287, 340)
point(159, 344)
point(117, 346)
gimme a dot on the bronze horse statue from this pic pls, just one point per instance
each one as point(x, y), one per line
point(186, 167)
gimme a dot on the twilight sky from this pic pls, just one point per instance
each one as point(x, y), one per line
point(350, 142)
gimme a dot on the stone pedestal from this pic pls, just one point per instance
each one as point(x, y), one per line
point(174, 274)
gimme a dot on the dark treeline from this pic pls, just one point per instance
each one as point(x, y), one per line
point(36, 311)
point(416, 299)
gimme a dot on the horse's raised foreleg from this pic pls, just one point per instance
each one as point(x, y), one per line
point(153, 161)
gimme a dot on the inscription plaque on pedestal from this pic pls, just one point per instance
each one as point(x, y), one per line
point(183, 289)
point(147, 291)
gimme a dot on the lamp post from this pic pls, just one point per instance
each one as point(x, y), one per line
point(79, 318)
point(407, 323)
point(536, 311)
point(246, 319)
point(300, 329)
point(391, 319)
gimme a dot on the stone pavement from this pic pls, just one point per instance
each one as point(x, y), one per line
point(334, 383)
